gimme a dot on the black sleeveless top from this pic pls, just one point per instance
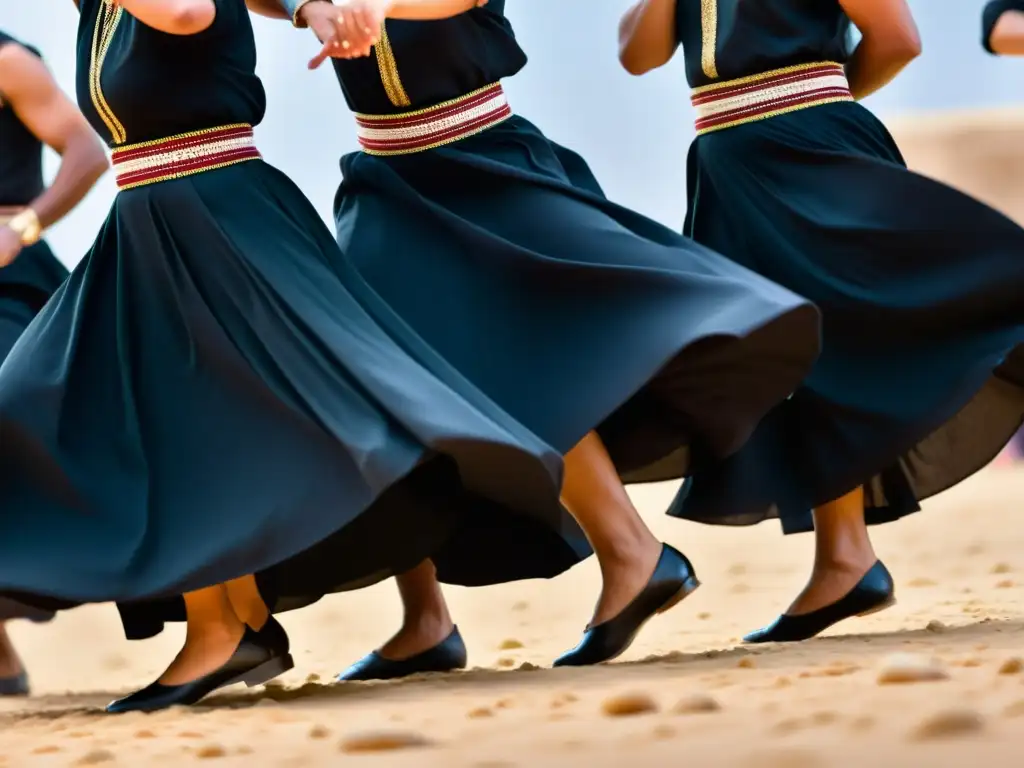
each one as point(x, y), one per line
point(990, 17)
point(418, 64)
point(21, 153)
point(727, 39)
point(136, 84)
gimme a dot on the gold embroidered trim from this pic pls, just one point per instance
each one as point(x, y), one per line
point(761, 76)
point(389, 70)
point(425, 110)
point(179, 136)
point(774, 113)
point(107, 20)
point(709, 38)
point(183, 174)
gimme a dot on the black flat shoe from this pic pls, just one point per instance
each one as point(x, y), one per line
point(447, 656)
point(14, 686)
point(672, 580)
point(260, 656)
point(874, 592)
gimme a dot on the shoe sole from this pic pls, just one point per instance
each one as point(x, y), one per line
point(265, 672)
point(879, 608)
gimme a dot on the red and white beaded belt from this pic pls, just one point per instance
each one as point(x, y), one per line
point(758, 97)
point(184, 155)
point(435, 126)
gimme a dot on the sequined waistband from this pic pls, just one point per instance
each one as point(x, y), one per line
point(435, 126)
point(185, 155)
point(759, 97)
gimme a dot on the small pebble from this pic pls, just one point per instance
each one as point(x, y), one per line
point(1012, 666)
point(505, 662)
point(97, 756)
point(1001, 568)
point(703, 615)
point(319, 732)
point(522, 605)
point(747, 662)
point(696, 703)
point(921, 582)
point(210, 751)
point(627, 704)
point(949, 724)
point(49, 749)
point(313, 678)
point(383, 741)
point(1005, 584)
point(910, 668)
point(145, 734)
point(480, 713)
point(935, 626)
point(510, 645)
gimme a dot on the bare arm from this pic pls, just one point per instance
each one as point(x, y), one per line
point(39, 103)
point(175, 17)
point(889, 42)
point(647, 36)
point(1007, 37)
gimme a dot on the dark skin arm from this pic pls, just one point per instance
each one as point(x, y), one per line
point(889, 42)
point(647, 37)
point(30, 90)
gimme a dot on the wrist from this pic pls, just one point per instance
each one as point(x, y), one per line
point(296, 7)
point(26, 226)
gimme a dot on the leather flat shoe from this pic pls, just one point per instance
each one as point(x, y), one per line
point(14, 686)
point(874, 592)
point(672, 580)
point(260, 656)
point(447, 656)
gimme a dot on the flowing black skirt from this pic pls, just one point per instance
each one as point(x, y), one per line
point(921, 290)
point(214, 392)
point(568, 311)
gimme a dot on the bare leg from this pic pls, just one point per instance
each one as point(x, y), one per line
point(842, 553)
point(212, 636)
point(247, 602)
point(10, 663)
point(626, 549)
point(426, 620)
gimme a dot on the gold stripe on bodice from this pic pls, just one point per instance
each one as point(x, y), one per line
point(709, 38)
point(389, 70)
point(107, 19)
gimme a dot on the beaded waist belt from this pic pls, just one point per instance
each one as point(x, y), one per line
point(758, 97)
point(184, 155)
point(435, 126)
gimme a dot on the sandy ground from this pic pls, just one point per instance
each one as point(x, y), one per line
point(960, 571)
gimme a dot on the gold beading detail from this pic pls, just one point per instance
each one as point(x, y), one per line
point(388, 67)
point(709, 38)
point(107, 19)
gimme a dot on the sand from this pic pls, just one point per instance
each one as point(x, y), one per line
point(686, 694)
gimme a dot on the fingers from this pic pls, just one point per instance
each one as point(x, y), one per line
point(324, 55)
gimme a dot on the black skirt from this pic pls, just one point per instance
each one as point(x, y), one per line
point(571, 313)
point(215, 391)
point(920, 288)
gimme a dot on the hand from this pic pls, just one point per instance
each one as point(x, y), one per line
point(348, 29)
point(10, 246)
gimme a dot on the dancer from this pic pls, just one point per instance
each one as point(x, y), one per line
point(1002, 27)
point(34, 112)
point(616, 340)
point(919, 285)
point(214, 396)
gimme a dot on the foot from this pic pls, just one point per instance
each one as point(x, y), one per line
point(202, 655)
point(872, 592)
point(417, 636)
point(257, 658)
point(623, 579)
point(830, 583)
point(13, 680)
point(669, 582)
point(446, 655)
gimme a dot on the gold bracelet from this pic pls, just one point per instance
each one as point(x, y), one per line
point(27, 227)
point(296, 21)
